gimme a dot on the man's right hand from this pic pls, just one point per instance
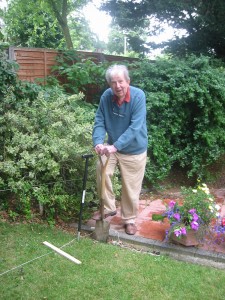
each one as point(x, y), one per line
point(99, 149)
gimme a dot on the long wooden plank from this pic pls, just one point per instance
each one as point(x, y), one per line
point(59, 251)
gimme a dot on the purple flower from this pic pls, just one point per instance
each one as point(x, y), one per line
point(194, 225)
point(172, 204)
point(192, 211)
point(177, 232)
point(194, 217)
point(176, 216)
point(183, 231)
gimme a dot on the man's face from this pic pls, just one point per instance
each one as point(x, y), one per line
point(119, 85)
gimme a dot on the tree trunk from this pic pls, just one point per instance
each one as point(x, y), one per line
point(66, 33)
point(62, 20)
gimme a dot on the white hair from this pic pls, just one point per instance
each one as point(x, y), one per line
point(116, 69)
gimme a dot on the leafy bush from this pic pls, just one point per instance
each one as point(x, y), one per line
point(42, 142)
point(8, 79)
point(76, 73)
point(44, 132)
point(7, 73)
point(186, 113)
point(79, 74)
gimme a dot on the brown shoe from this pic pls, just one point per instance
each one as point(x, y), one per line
point(99, 217)
point(130, 228)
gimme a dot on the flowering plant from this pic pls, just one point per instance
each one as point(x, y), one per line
point(198, 208)
point(219, 230)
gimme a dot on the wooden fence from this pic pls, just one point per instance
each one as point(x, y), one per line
point(36, 63)
point(33, 63)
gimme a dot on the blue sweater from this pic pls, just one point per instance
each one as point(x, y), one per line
point(124, 125)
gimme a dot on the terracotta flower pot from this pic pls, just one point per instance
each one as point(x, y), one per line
point(190, 239)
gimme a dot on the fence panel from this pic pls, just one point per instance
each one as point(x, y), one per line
point(33, 62)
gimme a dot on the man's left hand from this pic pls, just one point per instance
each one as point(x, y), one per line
point(109, 150)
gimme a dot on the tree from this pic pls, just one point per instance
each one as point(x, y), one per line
point(76, 30)
point(61, 10)
point(1, 25)
point(202, 20)
point(33, 24)
point(122, 42)
point(116, 41)
point(80, 32)
point(30, 25)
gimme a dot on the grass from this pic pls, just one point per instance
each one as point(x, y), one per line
point(107, 271)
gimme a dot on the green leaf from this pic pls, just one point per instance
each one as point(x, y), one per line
point(157, 217)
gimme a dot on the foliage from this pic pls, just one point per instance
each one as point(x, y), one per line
point(80, 32)
point(29, 24)
point(122, 42)
point(26, 90)
point(219, 230)
point(79, 73)
point(185, 113)
point(186, 117)
point(116, 41)
point(201, 20)
point(61, 10)
point(42, 142)
point(7, 73)
point(198, 208)
point(47, 24)
point(8, 78)
point(202, 201)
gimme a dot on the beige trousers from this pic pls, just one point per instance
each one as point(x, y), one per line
point(132, 168)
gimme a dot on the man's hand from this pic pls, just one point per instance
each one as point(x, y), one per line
point(99, 149)
point(105, 149)
point(109, 149)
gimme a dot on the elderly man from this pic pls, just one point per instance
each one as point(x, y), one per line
point(121, 117)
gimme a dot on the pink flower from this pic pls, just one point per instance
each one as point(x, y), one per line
point(183, 231)
point(194, 225)
point(192, 211)
point(194, 217)
point(177, 232)
point(172, 203)
point(176, 216)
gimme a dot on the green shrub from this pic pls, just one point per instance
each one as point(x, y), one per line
point(42, 142)
point(44, 132)
point(9, 80)
point(7, 73)
point(185, 113)
point(78, 74)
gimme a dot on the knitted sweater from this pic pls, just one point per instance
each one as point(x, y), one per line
point(125, 125)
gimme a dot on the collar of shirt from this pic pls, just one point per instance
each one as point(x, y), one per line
point(126, 99)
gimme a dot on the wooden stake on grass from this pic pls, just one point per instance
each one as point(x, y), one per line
point(59, 251)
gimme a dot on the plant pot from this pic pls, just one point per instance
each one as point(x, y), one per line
point(190, 239)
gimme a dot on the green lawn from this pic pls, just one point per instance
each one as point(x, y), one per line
point(107, 271)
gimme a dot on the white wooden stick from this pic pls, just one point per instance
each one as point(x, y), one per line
point(59, 251)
